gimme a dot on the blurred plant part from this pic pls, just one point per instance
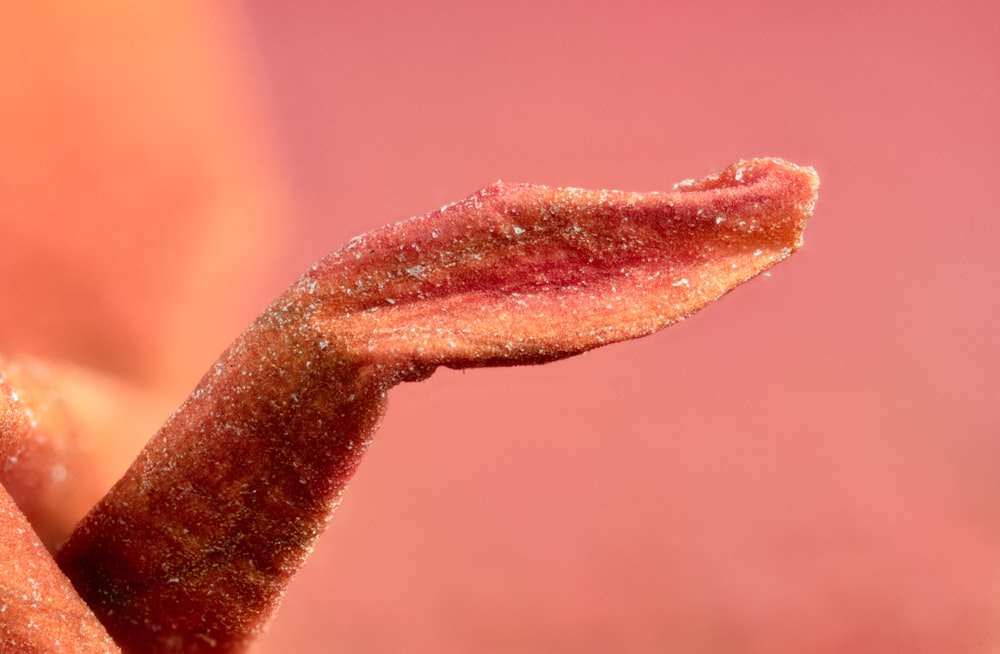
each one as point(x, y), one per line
point(137, 185)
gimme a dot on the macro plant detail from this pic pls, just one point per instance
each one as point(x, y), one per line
point(191, 550)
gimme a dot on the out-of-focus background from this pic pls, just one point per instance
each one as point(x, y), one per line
point(811, 465)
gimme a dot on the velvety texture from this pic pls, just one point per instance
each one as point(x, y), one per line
point(809, 466)
point(193, 548)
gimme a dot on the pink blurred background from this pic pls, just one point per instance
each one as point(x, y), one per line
point(811, 465)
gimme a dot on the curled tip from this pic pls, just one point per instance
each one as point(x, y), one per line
point(775, 193)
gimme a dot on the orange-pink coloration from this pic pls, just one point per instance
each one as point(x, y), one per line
point(527, 274)
point(58, 451)
point(39, 610)
point(191, 550)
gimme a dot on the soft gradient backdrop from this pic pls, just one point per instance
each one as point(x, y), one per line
point(811, 465)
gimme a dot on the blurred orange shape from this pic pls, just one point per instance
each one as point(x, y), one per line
point(136, 187)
